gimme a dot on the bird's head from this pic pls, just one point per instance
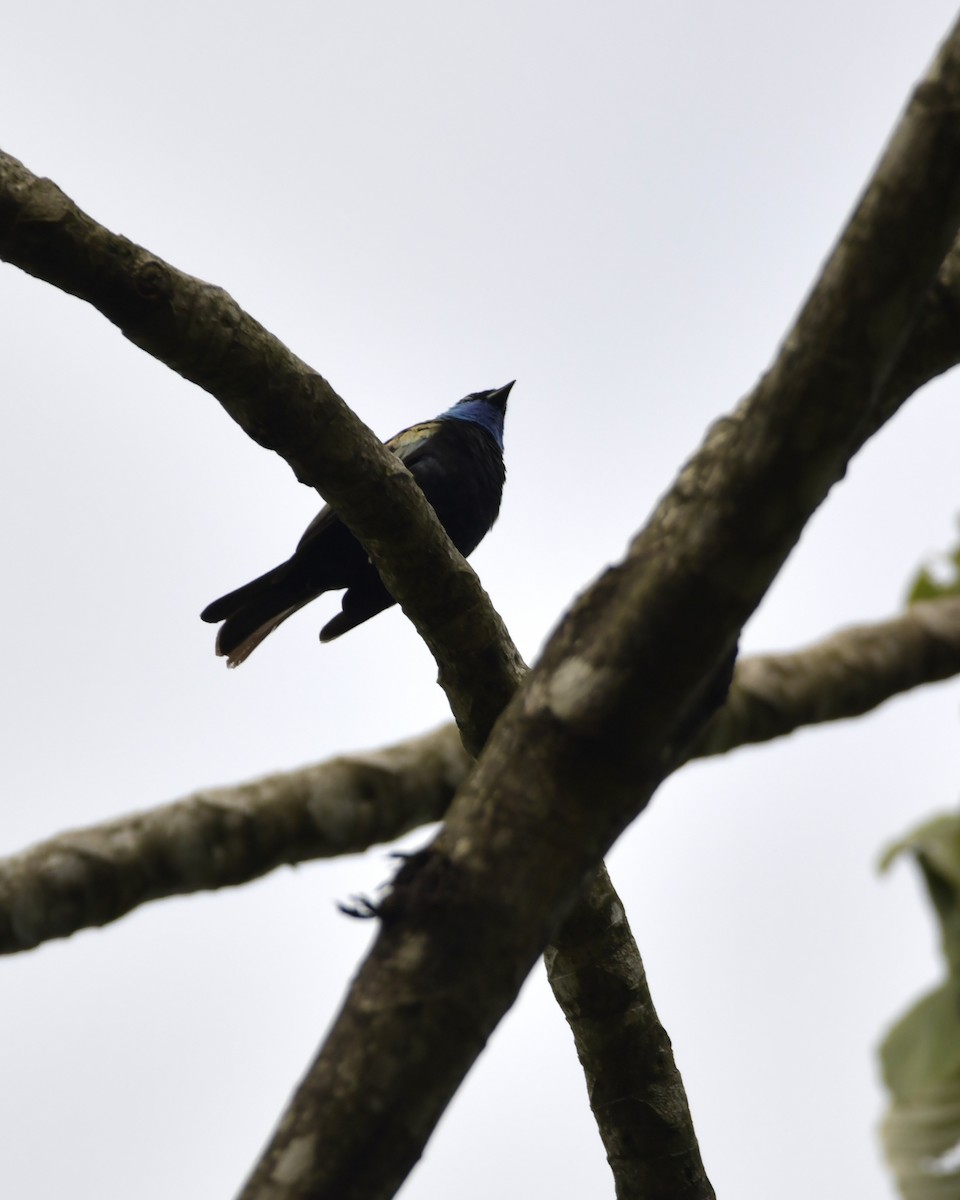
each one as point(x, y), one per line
point(486, 409)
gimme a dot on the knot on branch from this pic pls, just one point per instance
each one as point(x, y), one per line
point(153, 280)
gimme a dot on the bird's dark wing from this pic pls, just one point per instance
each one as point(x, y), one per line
point(324, 519)
point(460, 471)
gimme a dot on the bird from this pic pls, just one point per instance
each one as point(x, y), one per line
point(457, 460)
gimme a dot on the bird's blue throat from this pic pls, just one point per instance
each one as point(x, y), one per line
point(479, 412)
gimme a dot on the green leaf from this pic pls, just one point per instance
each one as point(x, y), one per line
point(927, 587)
point(920, 1056)
point(936, 841)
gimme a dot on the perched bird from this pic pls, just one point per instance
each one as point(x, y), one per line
point(457, 459)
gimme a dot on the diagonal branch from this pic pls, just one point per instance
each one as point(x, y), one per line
point(201, 332)
point(635, 1089)
point(224, 836)
point(933, 345)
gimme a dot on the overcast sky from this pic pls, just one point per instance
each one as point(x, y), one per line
point(620, 205)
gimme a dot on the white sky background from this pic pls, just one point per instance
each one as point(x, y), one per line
point(622, 206)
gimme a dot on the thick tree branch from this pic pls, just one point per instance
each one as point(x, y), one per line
point(201, 332)
point(593, 962)
point(224, 836)
point(469, 917)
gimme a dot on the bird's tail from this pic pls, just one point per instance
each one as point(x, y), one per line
point(253, 611)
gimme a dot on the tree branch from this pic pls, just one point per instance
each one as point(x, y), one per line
point(635, 1089)
point(220, 837)
point(844, 676)
point(201, 332)
point(933, 345)
point(468, 918)
point(224, 836)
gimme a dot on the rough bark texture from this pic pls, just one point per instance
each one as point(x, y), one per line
point(932, 347)
point(635, 1089)
point(224, 836)
point(843, 676)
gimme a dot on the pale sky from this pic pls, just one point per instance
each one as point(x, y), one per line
point(621, 206)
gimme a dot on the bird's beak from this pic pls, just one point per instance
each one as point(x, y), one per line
point(499, 397)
